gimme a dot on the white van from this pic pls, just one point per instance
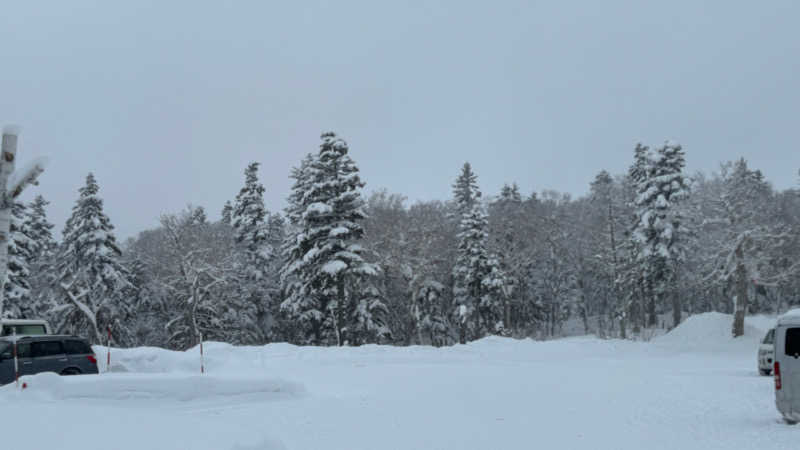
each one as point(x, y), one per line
point(786, 368)
point(24, 327)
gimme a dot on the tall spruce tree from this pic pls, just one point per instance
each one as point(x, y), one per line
point(330, 289)
point(477, 291)
point(43, 277)
point(465, 190)
point(91, 276)
point(657, 229)
point(255, 266)
point(21, 252)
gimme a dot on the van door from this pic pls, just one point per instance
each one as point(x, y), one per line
point(790, 368)
point(6, 362)
point(48, 356)
point(24, 360)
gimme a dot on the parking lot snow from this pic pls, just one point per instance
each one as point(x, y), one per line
point(695, 388)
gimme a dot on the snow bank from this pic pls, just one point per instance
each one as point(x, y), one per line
point(711, 332)
point(703, 333)
point(50, 386)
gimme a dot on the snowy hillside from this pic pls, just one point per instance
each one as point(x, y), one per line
point(694, 388)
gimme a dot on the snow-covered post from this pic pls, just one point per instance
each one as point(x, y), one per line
point(202, 366)
point(108, 350)
point(9, 190)
point(16, 361)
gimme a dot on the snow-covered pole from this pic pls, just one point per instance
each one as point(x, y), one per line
point(202, 365)
point(8, 153)
point(108, 350)
point(16, 362)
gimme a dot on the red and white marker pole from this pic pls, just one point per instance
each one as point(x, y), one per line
point(108, 350)
point(202, 366)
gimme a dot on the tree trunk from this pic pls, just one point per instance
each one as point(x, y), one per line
point(652, 319)
point(9, 151)
point(676, 310)
point(740, 303)
point(507, 316)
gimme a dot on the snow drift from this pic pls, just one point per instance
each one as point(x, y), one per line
point(711, 332)
point(109, 387)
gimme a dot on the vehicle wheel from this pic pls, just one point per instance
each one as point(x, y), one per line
point(71, 371)
point(764, 372)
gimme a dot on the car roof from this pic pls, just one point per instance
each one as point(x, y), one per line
point(791, 317)
point(23, 321)
point(43, 337)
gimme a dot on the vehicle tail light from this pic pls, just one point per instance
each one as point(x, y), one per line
point(93, 360)
point(777, 372)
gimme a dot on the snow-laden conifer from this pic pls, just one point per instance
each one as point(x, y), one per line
point(477, 292)
point(330, 292)
point(91, 276)
point(21, 252)
point(660, 185)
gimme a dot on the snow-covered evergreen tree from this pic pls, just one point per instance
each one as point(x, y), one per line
point(21, 252)
point(256, 265)
point(477, 292)
point(249, 213)
point(328, 283)
point(42, 267)
point(227, 213)
point(465, 190)
point(90, 273)
point(660, 184)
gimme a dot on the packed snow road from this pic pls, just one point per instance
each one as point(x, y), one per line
point(694, 388)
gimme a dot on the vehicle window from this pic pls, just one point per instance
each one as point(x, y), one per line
point(23, 350)
point(31, 329)
point(74, 347)
point(46, 348)
point(24, 330)
point(770, 337)
point(792, 341)
point(5, 347)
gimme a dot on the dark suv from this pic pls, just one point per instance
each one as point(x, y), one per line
point(64, 355)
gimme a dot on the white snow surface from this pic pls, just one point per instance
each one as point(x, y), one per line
point(693, 388)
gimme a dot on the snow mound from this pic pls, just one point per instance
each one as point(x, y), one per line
point(709, 332)
point(50, 386)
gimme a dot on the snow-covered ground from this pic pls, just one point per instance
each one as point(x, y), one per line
point(694, 388)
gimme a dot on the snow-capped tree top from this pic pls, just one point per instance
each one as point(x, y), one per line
point(249, 213)
point(227, 213)
point(89, 230)
point(89, 237)
point(510, 194)
point(465, 189)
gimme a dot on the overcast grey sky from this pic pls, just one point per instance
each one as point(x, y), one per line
point(166, 102)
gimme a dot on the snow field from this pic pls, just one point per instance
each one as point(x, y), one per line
point(694, 388)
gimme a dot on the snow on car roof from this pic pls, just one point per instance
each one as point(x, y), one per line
point(791, 317)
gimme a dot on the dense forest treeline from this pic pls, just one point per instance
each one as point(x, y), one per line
point(336, 268)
